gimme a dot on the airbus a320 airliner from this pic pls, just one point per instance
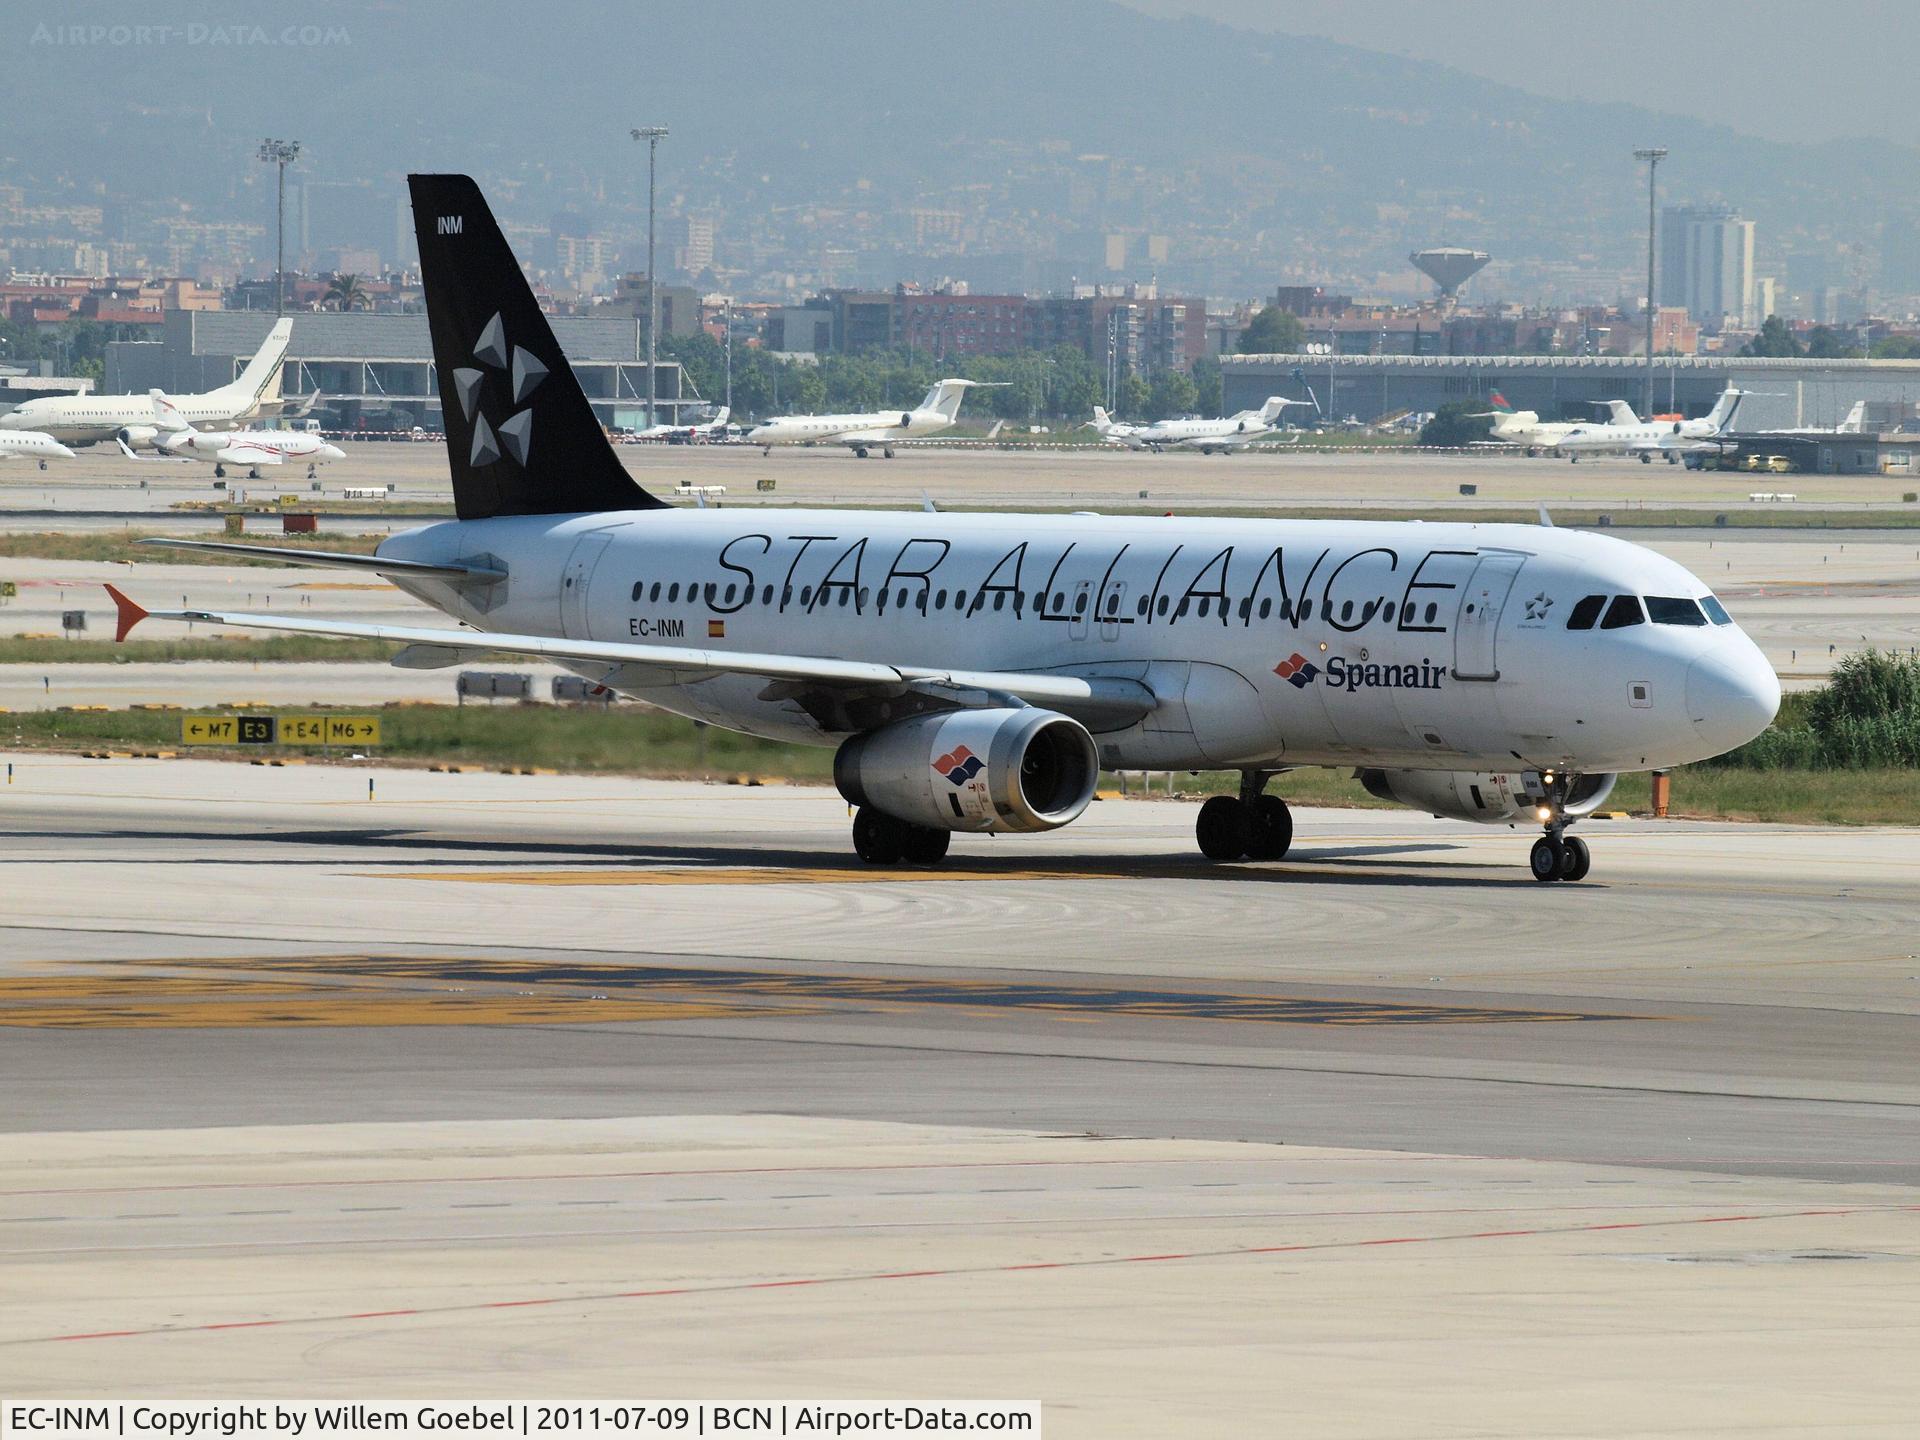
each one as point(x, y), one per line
point(977, 671)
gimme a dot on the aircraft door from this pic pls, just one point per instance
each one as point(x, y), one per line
point(1477, 625)
point(1081, 606)
point(575, 618)
point(1111, 609)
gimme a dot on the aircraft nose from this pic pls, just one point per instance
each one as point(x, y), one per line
point(333, 452)
point(1732, 695)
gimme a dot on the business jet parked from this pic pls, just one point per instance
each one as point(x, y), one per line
point(713, 429)
point(1524, 429)
point(977, 671)
point(1648, 438)
point(88, 419)
point(31, 445)
point(861, 433)
point(1210, 437)
point(251, 448)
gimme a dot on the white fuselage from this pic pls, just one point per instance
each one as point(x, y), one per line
point(883, 427)
point(1225, 433)
point(1524, 427)
point(250, 447)
point(1266, 643)
point(31, 445)
point(85, 419)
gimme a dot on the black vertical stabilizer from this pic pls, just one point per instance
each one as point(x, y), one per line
point(521, 438)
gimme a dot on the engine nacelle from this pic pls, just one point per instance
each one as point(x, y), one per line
point(1490, 799)
point(980, 770)
point(139, 437)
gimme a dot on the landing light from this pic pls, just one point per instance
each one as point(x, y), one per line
point(1546, 812)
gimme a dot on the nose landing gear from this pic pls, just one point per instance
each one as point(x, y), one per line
point(1557, 855)
point(1250, 825)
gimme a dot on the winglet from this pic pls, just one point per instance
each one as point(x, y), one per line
point(130, 614)
point(1545, 518)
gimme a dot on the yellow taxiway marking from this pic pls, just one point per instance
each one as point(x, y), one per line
point(549, 991)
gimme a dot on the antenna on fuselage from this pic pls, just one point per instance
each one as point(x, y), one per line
point(926, 503)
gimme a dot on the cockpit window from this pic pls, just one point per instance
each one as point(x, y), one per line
point(1716, 612)
point(1622, 611)
point(1674, 610)
point(1585, 611)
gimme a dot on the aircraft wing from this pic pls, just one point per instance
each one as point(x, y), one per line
point(244, 454)
point(1105, 696)
point(371, 563)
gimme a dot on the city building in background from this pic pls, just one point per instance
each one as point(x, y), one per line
point(1706, 266)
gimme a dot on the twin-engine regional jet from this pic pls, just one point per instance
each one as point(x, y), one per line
point(977, 671)
point(881, 430)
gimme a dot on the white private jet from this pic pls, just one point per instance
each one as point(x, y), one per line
point(861, 433)
point(1648, 438)
point(251, 448)
point(976, 672)
point(1524, 429)
point(1210, 437)
point(88, 419)
point(687, 434)
point(32, 445)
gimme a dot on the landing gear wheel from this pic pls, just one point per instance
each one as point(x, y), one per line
point(1575, 859)
point(925, 845)
point(888, 452)
point(878, 838)
point(1271, 827)
point(1547, 858)
point(860, 452)
point(254, 474)
point(219, 472)
point(1223, 828)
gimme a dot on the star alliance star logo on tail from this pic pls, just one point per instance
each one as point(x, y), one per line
point(1297, 670)
point(959, 765)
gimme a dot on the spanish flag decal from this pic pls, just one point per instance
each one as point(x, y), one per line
point(716, 629)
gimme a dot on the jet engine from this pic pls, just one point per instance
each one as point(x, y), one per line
point(1491, 799)
point(979, 770)
point(139, 437)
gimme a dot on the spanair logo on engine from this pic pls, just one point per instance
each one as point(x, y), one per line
point(1297, 670)
point(959, 765)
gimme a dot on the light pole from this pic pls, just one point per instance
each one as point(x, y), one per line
point(653, 135)
point(1653, 157)
point(281, 153)
point(729, 338)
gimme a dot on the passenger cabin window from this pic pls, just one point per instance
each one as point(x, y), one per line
point(1622, 611)
point(1716, 612)
point(1585, 611)
point(1674, 610)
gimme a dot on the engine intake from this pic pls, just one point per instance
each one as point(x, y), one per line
point(1490, 799)
point(979, 770)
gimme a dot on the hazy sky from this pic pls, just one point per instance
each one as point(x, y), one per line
point(1782, 69)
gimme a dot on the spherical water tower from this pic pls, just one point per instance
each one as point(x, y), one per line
point(1449, 267)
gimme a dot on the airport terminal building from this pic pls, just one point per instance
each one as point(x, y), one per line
point(1786, 393)
point(375, 371)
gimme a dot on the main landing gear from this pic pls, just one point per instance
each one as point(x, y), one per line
point(880, 839)
point(860, 452)
point(1557, 855)
point(1250, 825)
point(219, 472)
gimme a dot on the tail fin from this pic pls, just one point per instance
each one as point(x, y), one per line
point(1621, 413)
point(521, 438)
point(260, 381)
point(1856, 417)
point(719, 420)
point(166, 415)
point(946, 395)
point(1721, 415)
point(1500, 404)
point(1102, 421)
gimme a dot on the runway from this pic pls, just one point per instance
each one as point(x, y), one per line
point(496, 1082)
